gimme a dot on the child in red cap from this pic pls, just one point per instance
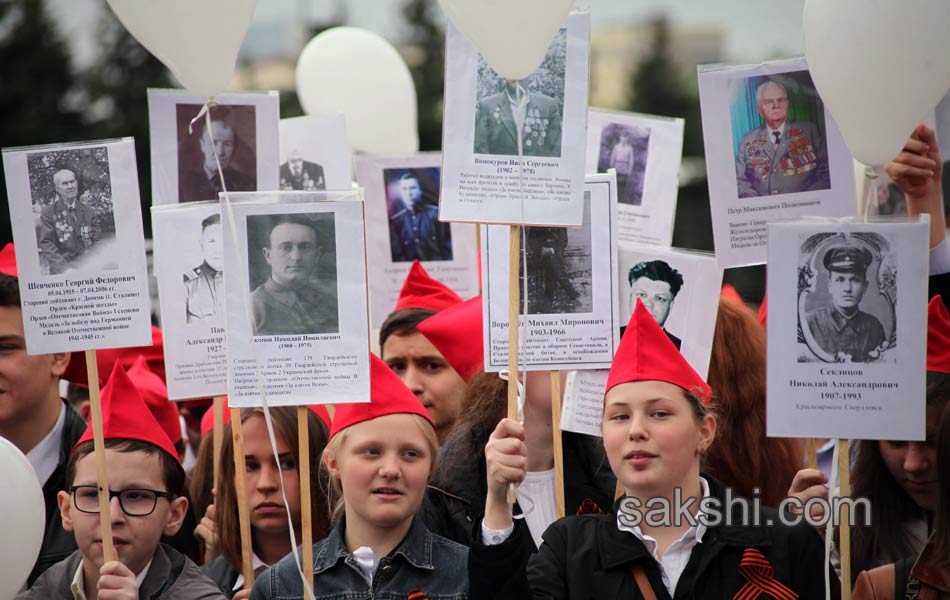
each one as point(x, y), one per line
point(379, 459)
point(656, 427)
point(146, 481)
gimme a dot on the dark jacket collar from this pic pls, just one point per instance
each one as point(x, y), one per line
point(73, 428)
point(415, 548)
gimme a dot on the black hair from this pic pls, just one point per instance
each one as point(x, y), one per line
point(9, 291)
point(210, 220)
point(173, 475)
point(402, 322)
point(657, 270)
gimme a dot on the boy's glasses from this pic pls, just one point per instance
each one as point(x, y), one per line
point(134, 502)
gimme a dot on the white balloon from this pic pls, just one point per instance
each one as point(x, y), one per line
point(24, 519)
point(512, 35)
point(198, 40)
point(356, 72)
point(879, 66)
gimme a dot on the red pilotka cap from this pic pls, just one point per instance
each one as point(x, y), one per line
point(420, 290)
point(730, 293)
point(388, 396)
point(763, 310)
point(155, 393)
point(938, 336)
point(207, 419)
point(107, 358)
point(647, 354)
point(8, 260)
point(126, 416)
point(456, 332)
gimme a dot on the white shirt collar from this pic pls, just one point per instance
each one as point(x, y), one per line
point(256, 564)
point(780, 130)
point(44, 456)
point(693, 534)
point(78, 590)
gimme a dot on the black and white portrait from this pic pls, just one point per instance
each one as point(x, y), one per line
point(204, 284)
point(559, 268)
point(231, 142)
point(656, 284)
point(534, 105)
point(625, 148)
point(847, 290)
point(301, 174)
point(412, 203)
point(293, 275)
point(73, 214)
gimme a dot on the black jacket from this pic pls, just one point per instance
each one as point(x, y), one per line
point(589, 557)
point(222, 574)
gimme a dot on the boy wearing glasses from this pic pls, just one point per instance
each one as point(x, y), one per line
point(146, 480)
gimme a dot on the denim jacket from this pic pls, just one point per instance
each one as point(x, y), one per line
point(424, 562)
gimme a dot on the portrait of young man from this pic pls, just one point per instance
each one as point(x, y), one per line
point(204, 285)
point(201, 152)
point(415, 232)
point(656, 284)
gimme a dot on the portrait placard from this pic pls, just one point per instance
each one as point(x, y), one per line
point(244, 135)
point(772, 152)
point(314, 154)
point(188, 260)
point(77, 228)
point(484, 180)
point(297, 260)
point(847, 329)
point(582, 409)
point(402, 225)
point(646, 152)
point(572, 311)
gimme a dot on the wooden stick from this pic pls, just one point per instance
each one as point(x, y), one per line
point(240, 489)
point(844, 525)
point(306, 517)
point(514, 252)
point(811, 453)
point(218, 414)
point(99, 448)
point(556, 438)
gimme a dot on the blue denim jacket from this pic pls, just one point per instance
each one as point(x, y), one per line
point(423, 562)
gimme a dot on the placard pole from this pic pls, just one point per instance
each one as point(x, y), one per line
point(514, 253)
point(240, 489)
point(844, 524)
point(306, 516)
point(557, 446)
point(218, 413)
point(99, 448)
point(811, 453)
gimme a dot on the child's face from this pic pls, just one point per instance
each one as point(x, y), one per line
point(264, 499)
point(134, 538)
point(383, 466)
point(652, 438)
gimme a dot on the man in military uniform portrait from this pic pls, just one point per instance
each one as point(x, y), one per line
point(300, 174)
point(201, 181)
point(780, 157)
point(292, 301)
point(67, 228)
point(656, 284)
point(204, 285)
point(415, 232)
point(843, 329)
point(498, 117)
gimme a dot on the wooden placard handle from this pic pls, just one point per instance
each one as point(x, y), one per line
point(844, 527)
point(514, 252)
point(99, 448)
point(557, 446)
point(306, 514)
point(811, 453)
point(240, 489)
point(217, 409)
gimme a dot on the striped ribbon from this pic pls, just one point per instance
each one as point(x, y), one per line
point(758, 573)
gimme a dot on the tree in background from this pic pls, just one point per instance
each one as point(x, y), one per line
point(426, 36)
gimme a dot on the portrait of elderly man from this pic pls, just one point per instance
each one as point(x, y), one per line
point(67, 228)
point(204, 285)
point(499, 117)
point(780, 156)
point(842, 329)
point(656, 284)
point(415, 232)
point(199, 178)
point(300, 174)
point(292, 300)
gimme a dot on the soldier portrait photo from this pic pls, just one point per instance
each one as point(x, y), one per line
point(535, 105)
point(232, 143)
point(73, 215)
point(560, 268)
point(849, 289)
point(779, 141)
point(300, 174)
point(656, 284)
point(625, 149)
point(293, 276)
point(412, 202)
point(204, 285)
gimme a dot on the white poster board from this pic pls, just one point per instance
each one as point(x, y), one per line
point(646, 152)
point(314, 154)
point(847, 334)
point(484, 179)
point(296, 304)
point(184, 168)
point(572, 311)
point(402, 225)
point(188, 259)
point(756, 176)
point(77, 228)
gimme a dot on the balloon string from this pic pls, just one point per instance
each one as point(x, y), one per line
point(870, 190)
point(243, 285)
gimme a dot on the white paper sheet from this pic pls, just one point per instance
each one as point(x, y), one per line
point(314, 154)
